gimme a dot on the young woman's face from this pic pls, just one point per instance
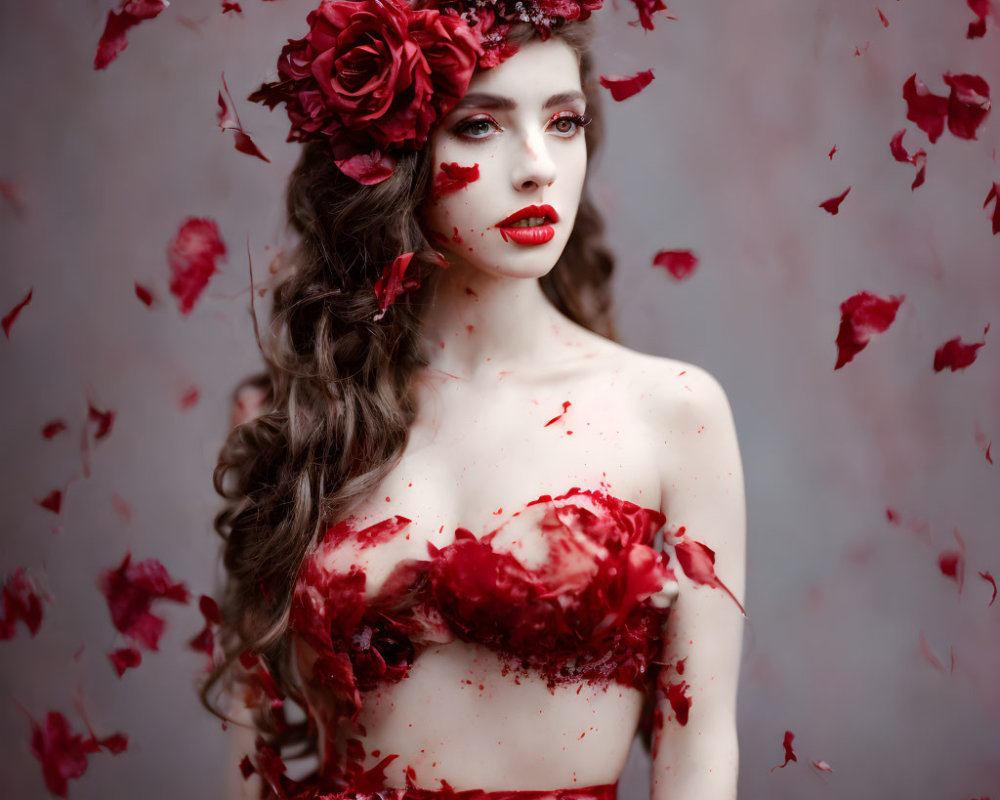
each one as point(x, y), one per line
point(521, 126)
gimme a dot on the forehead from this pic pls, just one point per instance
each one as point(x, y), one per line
point(534, 73)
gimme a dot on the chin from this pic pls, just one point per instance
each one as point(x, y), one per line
point(508, 260)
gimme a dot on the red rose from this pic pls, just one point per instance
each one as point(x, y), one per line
point(372, 77)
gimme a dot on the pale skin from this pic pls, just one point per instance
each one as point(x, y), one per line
point(653, 431)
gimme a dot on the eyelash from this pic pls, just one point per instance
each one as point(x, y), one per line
point(463, 128)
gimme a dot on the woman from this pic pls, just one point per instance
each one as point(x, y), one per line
point(440, 528)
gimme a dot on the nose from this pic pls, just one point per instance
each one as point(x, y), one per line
point(533, 166)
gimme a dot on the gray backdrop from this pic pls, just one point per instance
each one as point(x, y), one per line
point(725, 153)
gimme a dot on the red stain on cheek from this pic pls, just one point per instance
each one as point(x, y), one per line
point(453, 178)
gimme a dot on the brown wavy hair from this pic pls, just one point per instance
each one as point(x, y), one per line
point(338, 400)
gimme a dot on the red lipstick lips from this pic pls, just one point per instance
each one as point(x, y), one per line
point(538, 230)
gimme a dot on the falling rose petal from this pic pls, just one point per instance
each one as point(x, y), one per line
point(54, 428)
point(227, 7)
point(968, 104)
point(981, 8)
point(204, 641)
point(130, 13)
point(679, 263)
point(192, 256)
point(393, 283)
point(987, 576)
point(52, 501)
point(698, 563)
point(125, 659)
point(920, 162)
point(646, 9)
point(789, 752)
point(566, 404)
point(102, 419)
point(245, 144)
point(928, 654)
point(229, 120)
point(893, 516)
point(862, 316)
point(832, 151)
point(189, 399)
point(145, 296)
point(955, 354)
point(452, 178)
point(897, 149)
point(625, 87)
point(822, 766)
point(923, 107)
point(882, 17)
point(130, 591)
point(833, 204)
point(11, 315)
point(952, 565)
point(22, 601)
point(63, 754)
point(994, 195)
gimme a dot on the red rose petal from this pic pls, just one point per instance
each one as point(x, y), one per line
point(21, 601)
point(698, 563)
point(882, 17)
point(204, 642)
point(832, 151)
point(833, 204)
point(918, 159)
point(53, 428)
point(130, 13)
point(968, 104)
point(52, 501)
point(229, 120)
point(192, 256)
point(367, 168)
point(144, 295)
point(11, 315)
point(625, 87)
point(862, 316)
point(986, 576)
point(789, 752)
point(130, 591)
point(955, 354)
point(103, 419)
point(125, 659)
point(679, 263)
point(994, 195)
point(63, 754)
point(923, 107)
point(227, 7)
point(981, 8)
point(393, 283)
point(452, 178)
point(245, 144)
point(646, 9)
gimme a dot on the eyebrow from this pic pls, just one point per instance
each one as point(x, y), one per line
point(501, 103)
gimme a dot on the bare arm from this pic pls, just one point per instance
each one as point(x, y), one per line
point(703, 492)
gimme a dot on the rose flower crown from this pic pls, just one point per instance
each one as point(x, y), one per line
point(372, 77)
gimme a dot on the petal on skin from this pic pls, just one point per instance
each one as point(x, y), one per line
point(622, 88)
point(789, 752)
point(679, 263)
point(833, 204)
point(955, 354)
point(698, 563)
point(925, 108)
point(680, 701)
point(862, 316)
point(114, 40)
point(10, 316)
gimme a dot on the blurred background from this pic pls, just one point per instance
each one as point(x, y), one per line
point(883, 666)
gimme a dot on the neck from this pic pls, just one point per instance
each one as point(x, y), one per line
point(479, 325)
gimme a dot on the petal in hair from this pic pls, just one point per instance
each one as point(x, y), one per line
point(625, 87)
point(679, 263)
point(130, 13)
point(955, 354)
point(862, 316)
point(192, 256)
point(923, 107)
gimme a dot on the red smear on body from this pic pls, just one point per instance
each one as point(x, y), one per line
point(145, 295)
point(625, 87)
point(789, 752)
point(189, 399)
point(968, 104)
point(993, 195)
point(229, 120)
point(393, 283)
point(986, 576)
point(882, 17)
point(679, 263)
point(453, 178)
point(10, 316)
point(924, 107)
point(192, 256)
point(832, 151)
point(130, 591)
point(981, 8)
point(862, 316)
point(698, 564)
point(53, 428)
point(124, 659)
point(63, 754)
point(680, 702)
point(114, 40)
point(52, 501)
point(955, 354)
point(566, 404)
point(833, 204)
point(22, 601)
point(822, 766)
point(104, 420)
point(646, 9)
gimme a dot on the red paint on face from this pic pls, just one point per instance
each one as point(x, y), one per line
point(453, 178)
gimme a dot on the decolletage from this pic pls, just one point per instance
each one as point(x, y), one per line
point(590, 612)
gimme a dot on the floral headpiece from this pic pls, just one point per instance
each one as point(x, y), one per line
point(373, 76)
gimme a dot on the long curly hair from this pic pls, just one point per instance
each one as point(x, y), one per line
point(337, 395)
